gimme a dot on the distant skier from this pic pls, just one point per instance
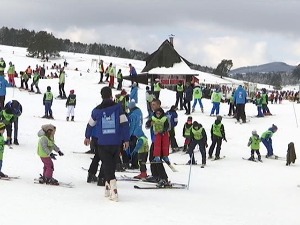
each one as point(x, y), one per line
point(186, 133)
point(134, 93)
point(17, 110)
point(133, 74)
point(179, 95)
point(258, 103)
point(35, 82)
point(61, 84)
point(216, 98)
point(101, 71)
point(265, 100)
point(217, 136)
point(188, 97)
point(2, 66)
point(119, 79)
point(46, 145)
point(47, 102)
point(231, 104)
point(173, 120)
point(70, 104)
point(254, 143)
point(157, 86)
point(11, 74)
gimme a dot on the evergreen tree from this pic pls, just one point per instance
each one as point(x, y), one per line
point(223, 68)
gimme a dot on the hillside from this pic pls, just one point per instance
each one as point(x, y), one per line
point(265, 68)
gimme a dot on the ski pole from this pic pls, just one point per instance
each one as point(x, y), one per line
point(188, 185)
point(295, 114)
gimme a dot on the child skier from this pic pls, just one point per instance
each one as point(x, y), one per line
point(258, 103)
point(231, 105)
point(173, 120)
point(216, 98)
point(70, 104)
point(8, 117)
point(187, 133)
point(2, 129)
point(119, 79)
point(47, 102)
point(35, 82)
point(254, 143)
point(45, 146)
point(198, 137)
point(142, 149)
point(217, 135)
point(266, 139)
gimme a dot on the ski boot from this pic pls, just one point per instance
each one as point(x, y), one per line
point(91, 178)
point(51, 181)
point(67, 118)
point(142, 175)
point(42, 179)
point(45, 116)
point(16, 142)
point(2, 175)
point(163, 184)
point(101, 181)
point(251, 158)
point(72, 118)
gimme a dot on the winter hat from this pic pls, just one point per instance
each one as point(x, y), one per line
point(134, 84)
point(156, 79)
point(71, 91)
point(195, 124)
point(147, 88)
point(48, 88)
point(131, 104)
point(123, 92)
point(189, 118)
point(47, 127)
point(2, 126)
point(106, 93)
point(219, 118)
point(254, 132)
point(274, 128)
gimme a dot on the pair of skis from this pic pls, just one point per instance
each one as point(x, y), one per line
point(60, 184)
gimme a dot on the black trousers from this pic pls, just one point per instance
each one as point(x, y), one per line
point(231, 109)
point(2, 100)
point(156, 94)
point(215, 141)
point(172, 138)
point(192, 147)
point(142, 159)
point(109, 154)
point(187, 106)
point(16, 127)
point(240, 112)
point(179, 99)
point(101, 77)
point(61, 88)
point(157, 169)
point(134, 159)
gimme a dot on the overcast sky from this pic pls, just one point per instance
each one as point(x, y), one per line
point(250, 32)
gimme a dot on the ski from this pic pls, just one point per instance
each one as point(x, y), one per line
point(173, 186)
point(60, 184)
point(125, 171)
point(247, 121)
point(276, 157)
point(223, 157)
point(82, 153)
point(255, 160)
point(10, 178)
point(44, 118)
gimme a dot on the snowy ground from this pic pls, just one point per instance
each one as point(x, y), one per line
point(230, 191)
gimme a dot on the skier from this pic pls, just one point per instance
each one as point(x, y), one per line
point(11, 74)
point(179, 95)
point(61, 84)
point(2, 129)
point(47, 102)
point(7, 117)
point(217, 135)
point(197, 94)
point(132, 74)
point(4, 84)
point(231, 105)
point(35, 82)
point(173, 120)
point(149, 98)
point(101, 71)
point(141, 149)
point(266, 139)
point(119, 79)
point(70, 104)
point(160, 125)
point(2, 66)
point(46, 145)
point(258, 103)
point(186, 133)
point(24, 80)
point(113, 130)
point(265, 101)
point(112, 74)
point(188, 97)
point(198, 137)
point(134, 93)
point(240, 100)
point(17, 110)
point(254, 143)
point(157, 86)
point(216, 98)
point(123, 98)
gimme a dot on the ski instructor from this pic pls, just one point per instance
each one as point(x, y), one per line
point(240, 99)
point(113, 130)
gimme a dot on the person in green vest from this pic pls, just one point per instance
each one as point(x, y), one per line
point(142, 149)
point(258, 103)
point(157, 86)
point(266, 139)
point(2, 66)
point(254, 143)
point(216, 98)
point(46, 145)
point(119, 79)
point(265, 100)
point(70, 104)
point(61, 84)
point(149, 98)
point(186, 133)
point(112, 73)
point(123, 98)
point(24, 80)
point(7, 117)
point(217, 136)
point(2, 129)
point(11, 74)
point(179, 95)
point(197, 94)
point(35, 82)
point(198, 137)
point(47, 102)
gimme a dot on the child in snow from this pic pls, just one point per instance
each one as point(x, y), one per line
point(134, 92)
point(231, 105)
point(173, 120)
point(258, 103)
point(7, 117)
point(266, 139)
point(217, 135)
point(254, 143)
point(291, 154)
point(35, 82)
point(70, 104)
point(47, 102)
point(216, 98)
point(198, 137)
point(46, 145)
point(142, 149)
point(2, 129)
point(187, 133)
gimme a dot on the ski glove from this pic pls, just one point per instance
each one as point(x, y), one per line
point(52, 156)
point(224, 138)
point(156, 159)
point(60, 153)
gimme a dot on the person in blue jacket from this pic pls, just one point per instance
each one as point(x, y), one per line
point(134, 93)
point(240, 99)
point(113, 132)
point(173, 121)
point(3, 85)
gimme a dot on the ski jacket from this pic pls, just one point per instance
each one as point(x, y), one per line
point(135, 121)
point(45, 145)
point(240, 95)
point(134, 94)
point(71, 100)
point(3, 85)
point(173, 118)
point(254, 142)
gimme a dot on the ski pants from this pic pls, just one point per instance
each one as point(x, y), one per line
point(161, 144)
point(215, 141)
point(8, 128)
point(1, 164)
point(231, 109)
point(61, 89)
point(216, 107)
point(70, 110)
point(2, 100)
point(142, 159)
point(179, 99)
point(259, 112)
point(200, 103)
point(109, 154)
point(48, 110)
point(265, 108)
point(48, 167)
point(157, 169)
point(191, 149)
point(240, 112)
point(268, 144)
point(111, 81)
point(94, 165)
point(16, 128)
